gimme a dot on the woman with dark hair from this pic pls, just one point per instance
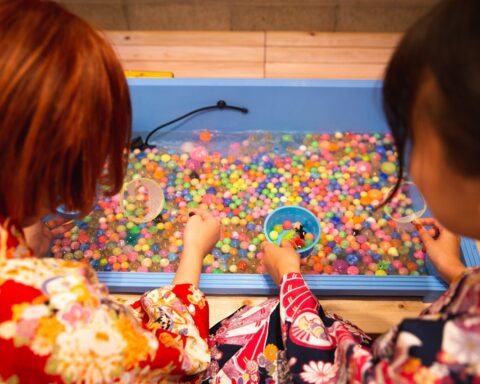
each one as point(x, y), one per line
point(65, 121)
point(432, 103)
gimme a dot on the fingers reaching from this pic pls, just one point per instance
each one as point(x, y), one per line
point(286, 244)
point(435, 230)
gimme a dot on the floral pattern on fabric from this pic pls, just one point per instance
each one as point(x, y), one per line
point(58, 324)
point(294, 340)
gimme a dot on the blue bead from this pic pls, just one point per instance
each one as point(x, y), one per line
point(84, 247)
point(94, 264)
point(352, 259)
point(155, 247)
point(172, 256)
point(107, 268)
point(332, 244)
point(235, 243)
point(337, 250)
point(216, 252)
point(242, 253)
point(376, 257)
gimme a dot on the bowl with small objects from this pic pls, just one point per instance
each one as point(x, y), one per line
point(295, 224)
point(142, 200)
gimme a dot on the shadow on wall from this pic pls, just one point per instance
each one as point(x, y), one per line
point(252, 15)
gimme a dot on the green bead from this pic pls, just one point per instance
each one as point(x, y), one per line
point(135, 230)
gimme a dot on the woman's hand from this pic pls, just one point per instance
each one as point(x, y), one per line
point(280, 260)
point(201, 233)
point(39, 235)
point(442, 246)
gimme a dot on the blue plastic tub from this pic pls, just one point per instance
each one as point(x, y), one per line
point(276, 106)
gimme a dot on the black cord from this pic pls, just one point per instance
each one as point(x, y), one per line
point(220, 105)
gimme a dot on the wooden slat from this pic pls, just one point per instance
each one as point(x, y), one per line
point(328, 55)
point(332, 39)
point(187, 38)
point(373, 316)
point(324, 70)
point(190, 53)
point(201, 69)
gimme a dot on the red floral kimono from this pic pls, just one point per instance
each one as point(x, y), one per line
point(293, 340)
point(58, 324)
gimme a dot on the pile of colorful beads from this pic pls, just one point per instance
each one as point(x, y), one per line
point(341, 178)
point(294, 233)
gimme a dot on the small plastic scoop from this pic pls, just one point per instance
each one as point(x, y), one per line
point(406, 206)
point(142, 200)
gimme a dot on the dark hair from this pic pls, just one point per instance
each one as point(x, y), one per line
point(445, 42)
point(65, 114)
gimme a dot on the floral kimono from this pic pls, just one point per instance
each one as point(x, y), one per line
point(58, 324)
point(293, 340)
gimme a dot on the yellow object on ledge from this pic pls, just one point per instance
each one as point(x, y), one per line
point(148, 74)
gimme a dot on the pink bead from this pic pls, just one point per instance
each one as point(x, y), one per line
point(419, 255)
point(353, 270)
point(397, 264)
point(367, 259)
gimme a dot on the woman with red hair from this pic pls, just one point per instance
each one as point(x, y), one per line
point(65, 121)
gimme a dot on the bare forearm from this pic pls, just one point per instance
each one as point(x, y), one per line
point(190, 268)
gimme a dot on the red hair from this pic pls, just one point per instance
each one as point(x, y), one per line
point(65, 111)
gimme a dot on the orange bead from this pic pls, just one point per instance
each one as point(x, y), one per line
point(152, 166)
point(375, 194)
point(365, 200)
point(318, 267)
point(328, 269)
point(332, 147)
point(205, 136)
point(412, 266)
point(358, 220)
